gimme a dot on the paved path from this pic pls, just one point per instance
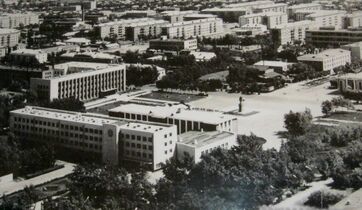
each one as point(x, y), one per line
point(15, 186)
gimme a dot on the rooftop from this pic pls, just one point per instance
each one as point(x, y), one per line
point(87, 118)
point(295, 24)
point(189, 22)
point(300, 6)
point(272, 63)
point(177, 112)
point(325, 54)
point(126, 21)
point(173, 12)
point(320, 13)
point(264, 14)
point(271, 5)
point(200, 139)
point(28, 52)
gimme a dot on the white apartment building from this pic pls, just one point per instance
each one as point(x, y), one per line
point(323, 18)
point(176, 16)
point(270, 19)
point(144, 30)
point(82, 80)
point(109, 139)
point(353, 20)
point(280, 7)
point(14, 20)
point(327, 60)
point(196, 28)
point(293, 31)
point(9, 39)
point(196, 144)
point(185, 119)
point(28, 56)
point(308, 6)
point(355, 49)
point(118, 28)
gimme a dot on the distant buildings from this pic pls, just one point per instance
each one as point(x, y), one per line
point(108, 139)
point(292, 10)
point(78, 41)
point(323, 18)
point(195, 144)
point(173, 44)
point(144, 30)
point(270, 19)
point(81, 80)
point(278, 66)
point(9, 39)
point(184, 119)
point(28, 56)
point(96, 57)
point(14, 20)
point(327, 60)
point(202, 27)
point(176, 16)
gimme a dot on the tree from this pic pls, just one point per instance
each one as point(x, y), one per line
point(69, 104)
point(322, 199)
point(141, 75)
point(298, 122)
point(327, 107)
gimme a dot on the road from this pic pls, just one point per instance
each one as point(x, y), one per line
point(15, 186)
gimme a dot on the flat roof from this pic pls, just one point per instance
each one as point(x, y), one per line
point(271, 5)
point(297, 6)
point(189, 22)
point(87, 118)
point(125, 21)
point(177, 112)
point(28, 52)
point(294, 24)
point(173, 12)
point(325, 54)
point(272, 63)
point(199, 139)
point(264, 14)
point(319, 13)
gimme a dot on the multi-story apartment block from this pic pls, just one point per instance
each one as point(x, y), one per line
point(280, 7)
point(325, 37)
point(14, 20)
point(196, 144)
point(184, 119)
point(295, 8)
point(81, 80)
point(108, 139)
point(323, 18)
point(187, 29)
point(327, 60)
point(28, 56)
point(176, 16)
point(250, 5)
point(174, 44)
point(270, 19)
point(144, 30)
point(353, 20)
point(9, 39)
point(117, 29)
point(290, 32)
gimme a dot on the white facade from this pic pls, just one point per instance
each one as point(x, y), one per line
point(327, 60)
point(355, 49)
point(28, 55)
point(270, 19)
point(327, 18)
point(81, 80)
point(184, 119)
point(290, 32)
point(187, 29)
point(309, 6)
point(10, 20)
point(350, 83)
point(110, 139)
point(281, 7)
point(353, 20)
point(9, 39)
point(195, 143)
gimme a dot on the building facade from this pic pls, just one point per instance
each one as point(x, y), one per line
point(9, 39)
point(27, 56)
point(109, 139)
point(308, 6)
point(144, 30)
point(290, 32)
point(326, 37)
point(353, 20)
point(174, 44)
point(184, 119)
point(82, 80)
point(176, 16)
point(196, 28)
point(350, 83)
point(355, 49)
point(327, 60)
point(270, 19)
point(280, 7)
point(14, 20)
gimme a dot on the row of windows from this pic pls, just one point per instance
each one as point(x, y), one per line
point(139, 146)
point(134, 137)
point(138, 154)
point(214, 148)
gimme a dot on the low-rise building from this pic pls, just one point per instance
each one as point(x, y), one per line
point(327, 60)
point(9, 39)
point(278, 66)
point(173, 44)
point(184, 119)
point(355, 49)
point(110, 140)
point(15, 20)
point(202, 27)
point(270, 19)
point(78, 41)
point(81, 80)
point(28, 56)
point(250, 30)
point(195, 144)
point(97, 57)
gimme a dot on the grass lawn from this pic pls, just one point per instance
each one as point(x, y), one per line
point(348, 116)
point(177, 97)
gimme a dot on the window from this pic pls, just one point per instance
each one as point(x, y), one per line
point(165, 152)
point(165, 135)
point(139, 138)
point(150, 147)
point(165, 144)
